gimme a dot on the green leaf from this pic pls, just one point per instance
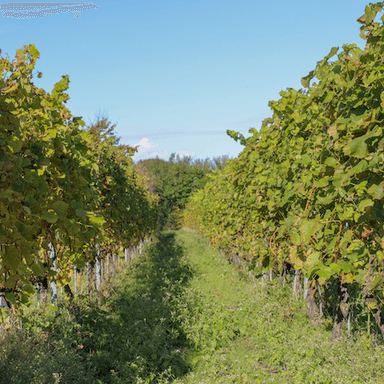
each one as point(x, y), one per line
point(322, 182)
point(376, 283)
point(308, 229)
point(76, 205)
point(72, 226)
point(60, 207)
point(28, 288)
point(365, 203)
point(12, 258)
point(325, 272)
point(313, 259)
point(10, 296)
point(81, 213)
point(360, 167)
point(328, 98)
point(20, 55)
point(345, 266)
point(357, 147)
point(335, 268)
point(305, 159)
point(50, 217)
point(80, 263)
point(326, 199)
point(357, 115)
point(61, 85)
point(37, 270)
point(15, 144)
point(332, 53)
point(34, 52)
point(296, 238)
point(51, 273)
point(331, 162)
point(369, 15)
point(377, 191)
point(347, 214)
point(356, 254)
point(306, 80)
point(97, 221)
point(237, 136)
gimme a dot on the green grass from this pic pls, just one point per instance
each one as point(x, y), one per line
point(180, 313)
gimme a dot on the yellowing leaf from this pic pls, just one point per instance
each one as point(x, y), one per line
point(296, 238)
point(33, 51)
point(97, 221)
point(296, 261)
point(20, 55)
point(313, 259)
point(308, 228)
point(365, 203)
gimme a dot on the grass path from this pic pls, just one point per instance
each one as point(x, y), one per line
point(181, 314)
point(248, 333)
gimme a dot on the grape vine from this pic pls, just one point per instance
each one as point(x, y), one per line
point(307, 191)
point(62, 186)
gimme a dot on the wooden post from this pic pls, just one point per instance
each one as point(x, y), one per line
point(98, 269)
point(305, 287)
point(53, 284)
point(75, 277)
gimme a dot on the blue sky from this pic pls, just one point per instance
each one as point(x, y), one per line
point(174, 75)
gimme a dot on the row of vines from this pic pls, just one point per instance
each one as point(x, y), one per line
point(69, 194)
point(307, 191)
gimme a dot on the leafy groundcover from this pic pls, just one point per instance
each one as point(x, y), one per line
point(180, 313)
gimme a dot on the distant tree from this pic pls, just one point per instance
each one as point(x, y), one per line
point(174, 181)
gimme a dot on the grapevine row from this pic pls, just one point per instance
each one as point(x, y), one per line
point(307, 191)
point(68, 193)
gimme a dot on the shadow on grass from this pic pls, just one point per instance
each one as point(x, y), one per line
point(137, 334)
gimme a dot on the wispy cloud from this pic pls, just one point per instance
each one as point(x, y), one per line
point(33, 10)
point(172, 133)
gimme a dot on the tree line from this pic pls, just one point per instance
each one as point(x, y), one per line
point(174, 180)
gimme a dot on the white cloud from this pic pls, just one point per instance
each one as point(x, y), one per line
point(146, 150)
point(185, 153)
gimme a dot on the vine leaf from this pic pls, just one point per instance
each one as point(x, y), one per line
point(357, 147)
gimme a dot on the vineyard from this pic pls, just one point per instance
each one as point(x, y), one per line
point(94, 285)
point(69, 194)
point(305, 196)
